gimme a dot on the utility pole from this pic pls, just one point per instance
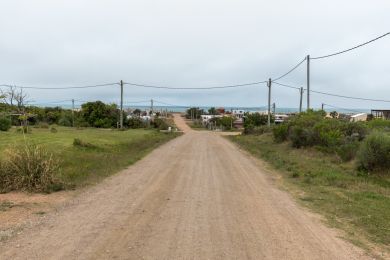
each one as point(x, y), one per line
point(308, 81)
point(322, 106)
point(273, 108)
point(151, 107)
point(269, 101)
point(72, 112)
point(300, 100)
point(121, 115)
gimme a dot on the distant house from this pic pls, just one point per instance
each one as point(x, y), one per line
point(280, 118)
point(206, 118)
point(358, 117)
point(238, 113)
point(381, 113)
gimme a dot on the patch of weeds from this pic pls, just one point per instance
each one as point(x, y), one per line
point(5, 205)
point(80, 143)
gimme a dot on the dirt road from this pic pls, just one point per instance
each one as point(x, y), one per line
point(196, 197)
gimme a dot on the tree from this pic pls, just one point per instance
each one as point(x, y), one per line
point(137, 112)
point(194, 113)
point(213, 111)
point(98, 114)
point(256, 119)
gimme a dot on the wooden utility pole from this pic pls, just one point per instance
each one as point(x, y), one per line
point(269, 101)
point(72, 112)
point(300, 100)
point(308, 81)
point(121, 112)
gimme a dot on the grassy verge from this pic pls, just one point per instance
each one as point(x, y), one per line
point(107, 152)
point(357, 203)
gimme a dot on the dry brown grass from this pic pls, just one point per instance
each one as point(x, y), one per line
point(28, 167)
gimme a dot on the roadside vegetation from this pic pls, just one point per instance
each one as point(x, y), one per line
point(219, 119)
point(44, 161)
point(343, 169)
point(41, 152)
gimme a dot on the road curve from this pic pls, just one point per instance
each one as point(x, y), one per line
point(196, 197)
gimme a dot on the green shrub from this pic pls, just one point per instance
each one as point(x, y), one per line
point(379, 124)
point(64, 121)
point(357, 130)
point(257, 130)
point(5, 124)
point(53, 129)
point(80, 143)
point(348, 151)
point(374, 153)
point(280, 133)
point(160, 124)
point(43, 125)
point(301, 137)
point(29, 167)
point(135, 123)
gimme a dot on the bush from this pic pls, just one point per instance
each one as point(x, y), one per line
point(5, 124)
point(161, 124)
point(348, 151)
point(280, 133)
point(80, 143)
point(64, 121)
point(29, 167)
point(374, 153)
point(135, 122)
point(53, 130)
point(301, 137)
point(43, 125)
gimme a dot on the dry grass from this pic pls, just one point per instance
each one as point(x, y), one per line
point(27, 167)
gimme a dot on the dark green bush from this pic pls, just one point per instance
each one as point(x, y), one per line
point(374, 153)
point(5, 124)
point(301, 137)
point(135, 123)
point(379, 124)
point(280, 133)
point(64, 121)
point(348, 151)
point(160, 124)
point(357, 130)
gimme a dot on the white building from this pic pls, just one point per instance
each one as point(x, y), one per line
point(358, 117)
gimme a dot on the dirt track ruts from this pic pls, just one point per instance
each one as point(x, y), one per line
point(196, 197)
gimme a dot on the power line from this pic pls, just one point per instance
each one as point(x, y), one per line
point(182, 88)
point(345, 109)
point(350, 49)
point(336, 95)
point(342, 96)
point(51, 88)
point(284, 85)
point(291, 70)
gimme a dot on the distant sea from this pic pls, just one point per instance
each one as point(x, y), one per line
point(259, 109)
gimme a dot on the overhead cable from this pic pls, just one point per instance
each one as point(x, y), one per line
point(350, 49)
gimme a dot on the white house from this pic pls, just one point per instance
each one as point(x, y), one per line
point(358, 117)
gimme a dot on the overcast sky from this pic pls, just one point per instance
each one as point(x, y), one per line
point(197, 43)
